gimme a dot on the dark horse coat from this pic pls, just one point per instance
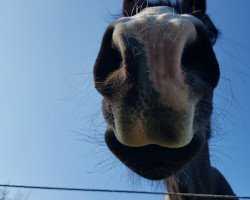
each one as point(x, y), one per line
point(157, 71)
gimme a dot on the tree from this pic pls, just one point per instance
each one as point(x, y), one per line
point(5, 195)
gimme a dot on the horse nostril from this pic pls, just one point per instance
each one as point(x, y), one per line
point(108, 61)
point(133, 58)
point(200, 63)
point(120, 63)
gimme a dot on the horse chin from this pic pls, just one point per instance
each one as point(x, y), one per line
point(155, 162)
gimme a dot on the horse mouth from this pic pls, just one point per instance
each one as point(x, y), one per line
point(154, 162)
point(165, 153)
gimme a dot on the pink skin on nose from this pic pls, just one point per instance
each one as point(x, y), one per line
point(163, 35)
point(164, 52)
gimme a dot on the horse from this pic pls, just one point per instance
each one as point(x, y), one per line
point(156, 71)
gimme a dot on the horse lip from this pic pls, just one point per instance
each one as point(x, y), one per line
point(154, 162)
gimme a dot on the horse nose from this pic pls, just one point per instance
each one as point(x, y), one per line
point(146, 51)
point(139, 69)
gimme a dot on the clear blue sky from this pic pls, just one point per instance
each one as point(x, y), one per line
point(48, 102)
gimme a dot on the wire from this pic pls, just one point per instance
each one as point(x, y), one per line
point(124, 191)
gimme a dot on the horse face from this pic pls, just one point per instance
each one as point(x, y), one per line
point(156, 71)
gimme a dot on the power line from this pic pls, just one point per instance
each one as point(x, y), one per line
point(123, 191)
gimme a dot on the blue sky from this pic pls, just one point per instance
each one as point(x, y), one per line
point(48, 102)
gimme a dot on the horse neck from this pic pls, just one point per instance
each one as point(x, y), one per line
point(199, 177)
point(194, 178)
